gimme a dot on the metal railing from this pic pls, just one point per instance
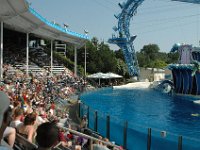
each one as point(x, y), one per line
point(23, 144)
point(136, 137)
point(92, 139)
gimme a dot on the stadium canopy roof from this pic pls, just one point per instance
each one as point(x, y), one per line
point(19, 16)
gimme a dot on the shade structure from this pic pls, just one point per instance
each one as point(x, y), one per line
point(20, 16)
point(98, 75)
point(111, 75)
point(101, 75)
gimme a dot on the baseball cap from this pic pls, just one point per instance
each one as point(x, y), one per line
point(4, 104)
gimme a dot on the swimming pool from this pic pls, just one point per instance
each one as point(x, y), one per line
point(144, 109)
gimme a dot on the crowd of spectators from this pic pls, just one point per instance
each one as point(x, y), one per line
point(35, 106)
point(33, 99)
point(37, 109)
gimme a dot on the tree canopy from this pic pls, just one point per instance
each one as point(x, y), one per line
point(150, 56)
point(100, 58)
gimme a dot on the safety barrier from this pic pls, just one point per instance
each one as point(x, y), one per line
point(138, 136)
point(91, 138)
point(23, 144)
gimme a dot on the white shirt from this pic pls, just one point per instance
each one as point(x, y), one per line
point(15, 123)
point(39, 120)
point(4, 145)
point(4, 148)
point(99, 147)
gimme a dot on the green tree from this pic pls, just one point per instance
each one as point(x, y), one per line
point(121, 67)
point(119, 54)
point(108, 58)
point(159, 63)
point(172, 57)
point(149, 56)
point(100, 58)
point(141, 59)
point(150, 51)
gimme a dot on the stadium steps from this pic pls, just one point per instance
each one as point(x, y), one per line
point(56, 69)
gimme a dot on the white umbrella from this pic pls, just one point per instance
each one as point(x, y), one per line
point(111, 75)
point(101, 75)
point(98, 75)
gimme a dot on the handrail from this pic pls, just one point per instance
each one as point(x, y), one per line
point(24, 142)
point(90, 137)
point(28, 145)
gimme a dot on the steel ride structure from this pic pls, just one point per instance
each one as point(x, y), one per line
point(124, 40)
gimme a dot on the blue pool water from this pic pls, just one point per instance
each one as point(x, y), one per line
point(143, 109)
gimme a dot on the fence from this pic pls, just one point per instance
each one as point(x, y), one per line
point(137, 137)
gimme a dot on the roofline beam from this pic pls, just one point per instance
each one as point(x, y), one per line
point(10, 3)
point(13, 16)
point(27, 54)
point(38, 27)
point(51, 57)
point(1, 53)
point(52, 32)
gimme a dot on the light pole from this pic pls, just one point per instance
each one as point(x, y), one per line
point(85, 69)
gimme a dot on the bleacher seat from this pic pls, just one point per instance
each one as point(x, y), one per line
point(23, 144)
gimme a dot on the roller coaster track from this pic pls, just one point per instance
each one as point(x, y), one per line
point(124, 40)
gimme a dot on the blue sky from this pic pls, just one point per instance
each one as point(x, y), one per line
point(161, 22)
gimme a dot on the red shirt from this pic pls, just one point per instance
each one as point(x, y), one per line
point(62, 137)
point(53, 106)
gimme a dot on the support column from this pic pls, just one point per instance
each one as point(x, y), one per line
point(180, 141)
point(96, 121)
point(75, 61)
point(125, 134)
point(108, 127)
point(1, 53)
point(27, 53)
point(149, 139)
point(85, 69)
point(51, 57)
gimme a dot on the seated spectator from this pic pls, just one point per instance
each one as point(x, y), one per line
point(27, 129)
point(119, 148)
point(79, 141)
point(64, 122)
point(10, 134)
point(70, 136)
point(52, 108)
point(106, 140)
point(99, 147)
point(5, 116)
point(77, 147)
point(47, 136)
point(39, 118)
point(84, 123)
point(99, 142)
point(62, 138)
point(18, 114)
